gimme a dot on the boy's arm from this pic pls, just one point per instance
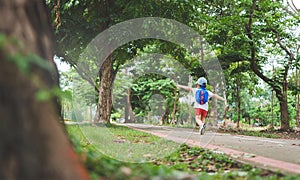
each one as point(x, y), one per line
point(218, 97)
point(184, 87)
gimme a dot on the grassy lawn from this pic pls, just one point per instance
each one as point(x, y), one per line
point(124, 144)
point(117, 152)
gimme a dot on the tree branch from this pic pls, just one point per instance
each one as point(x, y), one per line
point(294, 11)
point(253, 60)
point(293, 7)
point(82, 74)
point(289, 53)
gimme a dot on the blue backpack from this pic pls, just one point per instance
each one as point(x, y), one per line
point(201, 96)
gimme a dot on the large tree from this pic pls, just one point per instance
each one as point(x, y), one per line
point(256, 32)
point(282, 39)
point(33, 144)
point(79, 22)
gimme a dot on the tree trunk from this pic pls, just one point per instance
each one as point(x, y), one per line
point(297, 98)
point(149, 116)
point(174, 106)
point(272, 110)
point(164, 118)
point(238, 103)
point(131, 114)
point(214, 108)
point(298, 110)
point(284, 115)
point(106, 76)
point(284, 107)
point(33, 143)
point(128, 108)
point(127, 119)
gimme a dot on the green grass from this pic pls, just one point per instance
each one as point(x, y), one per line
point(125, 144)
point(103, 165)
point(98, 148)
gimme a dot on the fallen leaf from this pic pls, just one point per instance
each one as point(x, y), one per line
point(126, 170)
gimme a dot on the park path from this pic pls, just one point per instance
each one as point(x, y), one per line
point(274, 154)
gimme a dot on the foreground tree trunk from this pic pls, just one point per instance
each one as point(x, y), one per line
point(33, 144)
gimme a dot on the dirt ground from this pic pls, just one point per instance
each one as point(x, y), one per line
point(290, 134)
point(230, 127)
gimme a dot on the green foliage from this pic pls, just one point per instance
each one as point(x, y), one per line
point(2, 40)
point(145, 87)
point(43, 95)
point(47, 94)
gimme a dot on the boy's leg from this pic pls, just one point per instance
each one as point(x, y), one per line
point(198, 118)
point(202, 119)
point(197, 115)
point(203, 114)
point(199, 121)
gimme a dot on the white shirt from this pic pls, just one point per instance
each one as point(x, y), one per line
point(196, 104)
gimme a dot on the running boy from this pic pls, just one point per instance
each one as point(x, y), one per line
point(201, 109)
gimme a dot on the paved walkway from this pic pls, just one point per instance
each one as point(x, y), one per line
point(275, 154)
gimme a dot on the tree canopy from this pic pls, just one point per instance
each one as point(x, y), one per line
point(251, 39)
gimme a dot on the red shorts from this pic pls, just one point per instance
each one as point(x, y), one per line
point(200, 112)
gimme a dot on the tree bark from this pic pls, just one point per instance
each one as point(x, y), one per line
point(164, 118)
point(106, 76)
point(297, 97)
point(214, 108)
point(127, 119)
point(33, 143)
point(284, 107)
point(298, 109)
point(238, 94)
point(128, 108)
point(174, 107)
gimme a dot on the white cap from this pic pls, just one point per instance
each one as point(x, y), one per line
point(202, 81)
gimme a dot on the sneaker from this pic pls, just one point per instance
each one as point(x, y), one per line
point(202, 131)
point(204, 125)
